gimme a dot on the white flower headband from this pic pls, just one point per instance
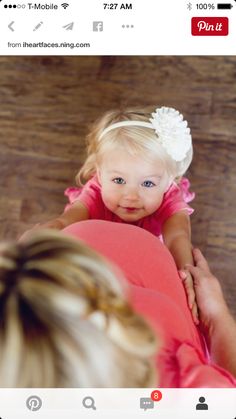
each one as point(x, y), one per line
point(172, 131)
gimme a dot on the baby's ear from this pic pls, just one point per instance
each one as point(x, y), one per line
point(168, 187)
point(168, 183)
point(98, 173)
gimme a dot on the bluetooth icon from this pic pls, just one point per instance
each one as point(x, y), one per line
point(189, 6)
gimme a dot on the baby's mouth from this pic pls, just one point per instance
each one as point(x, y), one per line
point(130, 209)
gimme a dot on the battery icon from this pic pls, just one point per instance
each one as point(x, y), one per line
point(224, 6)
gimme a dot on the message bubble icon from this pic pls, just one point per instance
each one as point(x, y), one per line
point(146, 403)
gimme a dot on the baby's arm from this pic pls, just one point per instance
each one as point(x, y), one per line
point(176, 233)
point(77, 212)
point(177, 237)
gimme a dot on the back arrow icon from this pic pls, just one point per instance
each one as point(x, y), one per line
point(69, 26)
point(10, 26)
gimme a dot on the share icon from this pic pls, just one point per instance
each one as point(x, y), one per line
point(69, 26)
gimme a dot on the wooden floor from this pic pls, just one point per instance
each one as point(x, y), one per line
point(48, 102)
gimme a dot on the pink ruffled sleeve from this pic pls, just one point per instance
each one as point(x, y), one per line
point(90, 196)
point(176, 199)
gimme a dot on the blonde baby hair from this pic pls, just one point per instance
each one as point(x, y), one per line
point(136, 140)
point(65, 320)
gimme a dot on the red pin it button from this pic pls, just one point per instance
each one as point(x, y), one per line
point(210, 26)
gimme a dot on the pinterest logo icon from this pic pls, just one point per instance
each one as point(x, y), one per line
point(34, 403)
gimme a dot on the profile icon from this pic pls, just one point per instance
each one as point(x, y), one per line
point(202, 405)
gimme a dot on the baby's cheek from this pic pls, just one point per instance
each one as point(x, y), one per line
point(109, 200)
point(154, 203)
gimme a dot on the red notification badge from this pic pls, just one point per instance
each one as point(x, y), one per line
point(156, 395)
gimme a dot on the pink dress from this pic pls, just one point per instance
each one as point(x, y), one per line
point(156, 292)
point(175, 199)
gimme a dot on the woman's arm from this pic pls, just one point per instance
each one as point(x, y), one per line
point(176, 233)
point(217, 322)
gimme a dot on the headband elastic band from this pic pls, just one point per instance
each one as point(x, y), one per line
point(127, 123)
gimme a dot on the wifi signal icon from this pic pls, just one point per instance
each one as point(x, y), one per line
point(65, 5)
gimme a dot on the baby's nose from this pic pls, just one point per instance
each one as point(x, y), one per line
point(131, 194)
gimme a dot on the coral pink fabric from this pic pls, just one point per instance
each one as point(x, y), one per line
point(175, 199)
point(155, 291)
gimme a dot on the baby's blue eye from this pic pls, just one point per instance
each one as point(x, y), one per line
point(148, 184)
point(118, 180)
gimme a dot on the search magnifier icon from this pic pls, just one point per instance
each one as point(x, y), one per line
point(89, 402)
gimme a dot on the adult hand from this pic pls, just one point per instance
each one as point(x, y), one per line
point(209, 295)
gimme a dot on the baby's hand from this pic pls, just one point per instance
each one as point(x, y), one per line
point(29, 232)
point(189, 289)
point(55, 224)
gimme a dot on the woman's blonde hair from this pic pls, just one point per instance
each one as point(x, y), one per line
point(133, 139)
point(65, 320)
